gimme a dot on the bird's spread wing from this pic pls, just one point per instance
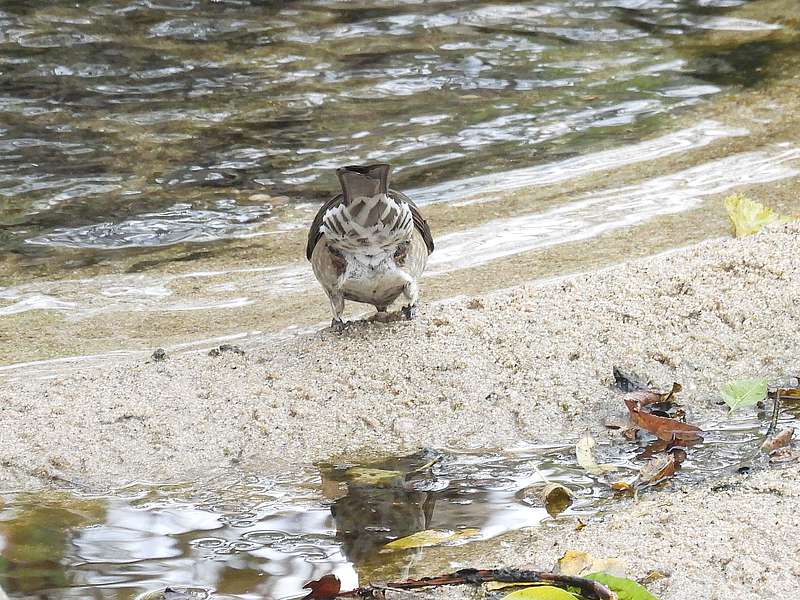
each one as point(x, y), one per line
point(420, 223)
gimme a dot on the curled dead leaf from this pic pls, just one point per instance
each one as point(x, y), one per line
point(553, 496)
point(649, 397)
point(324, 588)
point(658, 468)
point(664, 428)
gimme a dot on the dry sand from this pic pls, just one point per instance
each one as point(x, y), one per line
point(530, 364)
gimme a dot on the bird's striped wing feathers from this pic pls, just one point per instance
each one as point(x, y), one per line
point(340, 220)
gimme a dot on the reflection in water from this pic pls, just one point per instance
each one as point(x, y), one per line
point(264, 537)
point(130, 123)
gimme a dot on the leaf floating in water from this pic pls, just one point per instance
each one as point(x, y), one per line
point(541, 592)
point(626, 589)
point(781, 439)
point(584, 450)
point(664, 428)
point(748, 217)
point(575, 562)
point(429, 537)
point(553, 496)
point(744, 392)
point(324, 588)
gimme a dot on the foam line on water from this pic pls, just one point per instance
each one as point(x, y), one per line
point(593, 215)
point(477, 188)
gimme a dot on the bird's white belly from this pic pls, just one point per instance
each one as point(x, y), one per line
point(379, 285)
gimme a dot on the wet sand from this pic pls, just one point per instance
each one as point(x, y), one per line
point(528, 364)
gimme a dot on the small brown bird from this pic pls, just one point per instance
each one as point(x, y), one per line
point(369, 244)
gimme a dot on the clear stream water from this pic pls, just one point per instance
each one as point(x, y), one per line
point(132, 124)
point(261, 537)
point(140, 123)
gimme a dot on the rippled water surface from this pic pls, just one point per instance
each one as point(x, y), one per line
point(137, 123)
point(264, 537)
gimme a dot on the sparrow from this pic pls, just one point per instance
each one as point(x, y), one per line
point(369, 244)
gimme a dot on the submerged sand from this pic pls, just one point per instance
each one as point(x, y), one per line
point(528, 364)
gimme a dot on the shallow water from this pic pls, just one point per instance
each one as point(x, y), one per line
point(139, 123)
point(264, 537)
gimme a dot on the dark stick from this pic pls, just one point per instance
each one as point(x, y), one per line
point(776, 407)
point(591, 589)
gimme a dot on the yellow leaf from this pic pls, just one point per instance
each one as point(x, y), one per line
point(575, 562)
point(554, 496)
point(493, 586)
point(748, 216)
point(541, 592)
point(622, 487)
point(429, 537)
point(584, 450)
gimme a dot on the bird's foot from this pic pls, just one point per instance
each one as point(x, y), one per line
point(409, 312)
point(338, 325)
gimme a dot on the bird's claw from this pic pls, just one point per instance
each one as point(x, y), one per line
point(338, 325)
point(409, 312)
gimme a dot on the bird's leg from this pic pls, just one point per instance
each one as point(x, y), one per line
point(411, 292)
point(337, 308)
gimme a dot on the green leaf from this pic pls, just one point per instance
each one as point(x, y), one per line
point(744, 392)
point(749, 217)
point(626, 589)
point(541, 592)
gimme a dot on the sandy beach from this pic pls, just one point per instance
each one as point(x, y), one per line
point(529, 364)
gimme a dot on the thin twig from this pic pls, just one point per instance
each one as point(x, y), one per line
point(776, 409)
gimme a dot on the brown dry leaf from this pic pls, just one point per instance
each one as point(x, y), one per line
point(648, 397)
point(786, 393)
point(324, 588)
point(663, 428)
point(785, 454)
point(658, 468)
point(783, 438)
point(652, 449)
